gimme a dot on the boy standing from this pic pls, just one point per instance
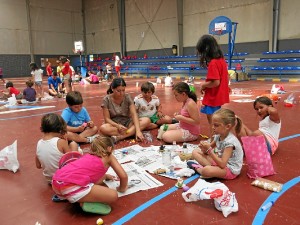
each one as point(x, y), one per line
point(80, 127)
point(148, 105)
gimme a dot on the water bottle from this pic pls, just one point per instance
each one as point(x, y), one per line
point(166, 156)
point(184, 148)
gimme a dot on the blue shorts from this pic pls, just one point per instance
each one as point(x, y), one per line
point(209, 109)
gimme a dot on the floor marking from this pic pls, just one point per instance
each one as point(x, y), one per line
point(147, 204)
point(261, 215)
point(26, 109)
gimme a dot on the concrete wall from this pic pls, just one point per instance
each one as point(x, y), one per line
point(151, 27)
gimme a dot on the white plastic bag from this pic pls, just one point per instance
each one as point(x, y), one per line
point(8, 158)
point(224, 199)
point(12, 100)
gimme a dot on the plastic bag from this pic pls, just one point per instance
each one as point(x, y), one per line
point(12, 100)
point(224, 200)
point(257, 157)
point(8, 158)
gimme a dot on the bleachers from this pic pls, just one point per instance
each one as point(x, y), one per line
point(181, 66)
point(281, 64)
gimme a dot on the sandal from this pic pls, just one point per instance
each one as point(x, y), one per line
point(193, 165)
point(96, 207)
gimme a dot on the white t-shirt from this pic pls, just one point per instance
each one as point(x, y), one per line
point(235, 162)
point(117, 61)
point(168, 81)
point(108, 68)
point(270, 128)
point(49, 156)
point(37, 75)
point(144, 108)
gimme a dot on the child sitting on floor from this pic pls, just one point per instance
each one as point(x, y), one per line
point(53, 145)
point(11, 90)
point(148, 105)
point(80, 127)
point(188, 126)
point(80, 180)
point(223, 157)
point(269, 125)
point(29, 93)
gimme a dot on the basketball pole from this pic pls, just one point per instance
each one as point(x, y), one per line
point(231, 42)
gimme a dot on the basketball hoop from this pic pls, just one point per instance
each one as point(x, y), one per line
point(217, 33)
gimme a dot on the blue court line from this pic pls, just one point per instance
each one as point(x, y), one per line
point(24, 106)
point(21, 117)
point(142, 207)
point(261, 215)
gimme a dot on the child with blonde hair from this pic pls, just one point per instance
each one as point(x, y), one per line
point(81, 180)
point(223, 157)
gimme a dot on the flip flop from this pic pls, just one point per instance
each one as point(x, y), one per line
point(96, 207)
point(193, 165)
point(55, 198)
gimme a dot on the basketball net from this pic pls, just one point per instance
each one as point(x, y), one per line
point(76, 51)
point(217, 33)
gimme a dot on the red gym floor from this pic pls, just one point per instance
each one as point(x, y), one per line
point(26, 197)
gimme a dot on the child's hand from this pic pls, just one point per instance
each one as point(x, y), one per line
point(81, 128)
point(122, 129)
point(122, 190)
point(90, 124)
point(160, 115)
point(109, 177)
point(178, 117)
point(204, 145)
point(139, 136)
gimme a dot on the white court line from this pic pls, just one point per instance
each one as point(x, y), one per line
point(22, 110)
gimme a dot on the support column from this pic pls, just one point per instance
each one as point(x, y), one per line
point(180, 26)
point(29, 30)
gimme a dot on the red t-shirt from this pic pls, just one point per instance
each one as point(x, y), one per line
point(66, 68)
point(13, 90)
point(217, 96)
point(49, 70)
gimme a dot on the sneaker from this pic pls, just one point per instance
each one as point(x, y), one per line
point(163, 128)
point(193, 165)
point(91, 138)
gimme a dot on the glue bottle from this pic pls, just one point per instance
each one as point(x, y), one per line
point(267, 206)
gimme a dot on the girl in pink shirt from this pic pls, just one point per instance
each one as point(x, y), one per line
point(188, 128)
point(81, 180)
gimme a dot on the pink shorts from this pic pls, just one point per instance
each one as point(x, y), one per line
point(71, 192)
point(229, 175)
point(186, 134)
point(273, 143)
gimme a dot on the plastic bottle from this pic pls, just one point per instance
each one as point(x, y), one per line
point(166, 156)
point(184, 148)
point(267, 206)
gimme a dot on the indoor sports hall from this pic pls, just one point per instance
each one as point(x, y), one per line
point(152, 38)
